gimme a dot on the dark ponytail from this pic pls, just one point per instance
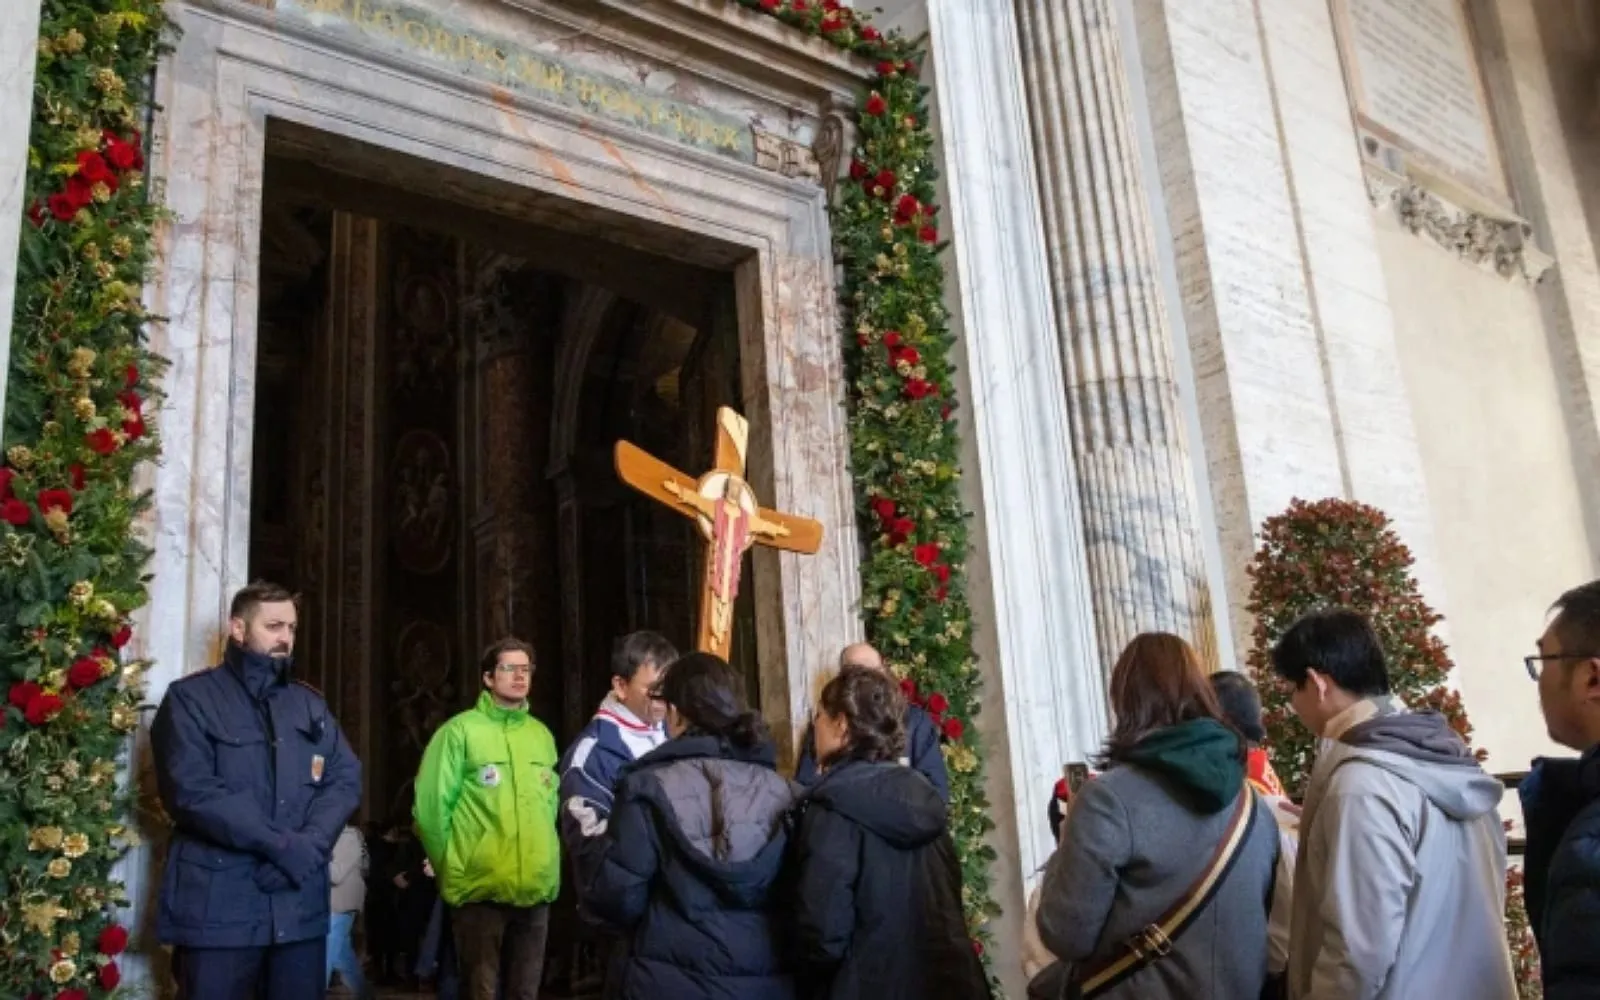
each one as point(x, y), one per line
point(709, 696)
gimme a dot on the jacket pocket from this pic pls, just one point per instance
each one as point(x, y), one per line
point(243, 761)
point(212, 886)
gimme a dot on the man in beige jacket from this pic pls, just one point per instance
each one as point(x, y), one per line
point(347, 878)
point(1400, 881)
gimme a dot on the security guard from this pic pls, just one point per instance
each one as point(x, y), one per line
point(258, 781)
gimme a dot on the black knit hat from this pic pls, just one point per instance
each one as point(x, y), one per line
point(1240, 704)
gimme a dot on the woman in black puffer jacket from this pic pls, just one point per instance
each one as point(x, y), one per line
point(878, 898)
point(688, 863)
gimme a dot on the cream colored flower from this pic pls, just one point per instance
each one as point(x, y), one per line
point(101, 192)
point(103, 270)
point(45, 838)
point(76, 845)
point(71, 42)
point(20, 456)
point(82, 357)
point(123, 719)
point(59, 868)
point(104, 609)
point(80, 593)
point(85, 409)
point(70, 943)
point(63, 970)
point(121, 246)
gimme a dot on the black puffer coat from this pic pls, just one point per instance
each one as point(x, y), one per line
point(1561, 807)
point(688, 869)
point(878, 895)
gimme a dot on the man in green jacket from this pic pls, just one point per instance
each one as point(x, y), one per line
point(486, 810)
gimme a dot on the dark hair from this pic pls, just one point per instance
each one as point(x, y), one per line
point(1240, 704)
point(635, 649)
point(1577, 622)
point(500, 647)
point(1337, 643)
point(709, 695)
point(251, 597)
point(1157, 683)
point(870, 702)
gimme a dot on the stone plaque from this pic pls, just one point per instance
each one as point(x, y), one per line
point(1415, 86)
point(417, 34)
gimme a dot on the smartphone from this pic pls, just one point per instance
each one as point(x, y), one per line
point(1077, 773)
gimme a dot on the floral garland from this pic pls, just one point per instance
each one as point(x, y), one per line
point(903, 437)
point(70, 564)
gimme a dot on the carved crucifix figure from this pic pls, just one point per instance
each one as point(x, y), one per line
point(731, 520)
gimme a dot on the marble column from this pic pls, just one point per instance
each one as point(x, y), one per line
point(1135, 480)
point(19, 38)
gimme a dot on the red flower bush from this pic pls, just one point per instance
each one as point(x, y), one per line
point(22, 694)
point(42, 708)
point(85, 672)
point(113, 940)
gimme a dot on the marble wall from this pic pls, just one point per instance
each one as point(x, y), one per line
point(660, 179)
point(19, 36)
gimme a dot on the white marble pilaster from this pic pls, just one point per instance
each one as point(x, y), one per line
point(19, 38)
point(1035, 616)
point(1136, 483)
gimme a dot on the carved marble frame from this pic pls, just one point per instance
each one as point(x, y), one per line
point(231, 72)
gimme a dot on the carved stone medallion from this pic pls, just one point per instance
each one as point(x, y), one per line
point(422, 691)
point(422, 511)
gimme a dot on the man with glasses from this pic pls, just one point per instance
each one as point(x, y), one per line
point(1561, 800)
point(486, 810)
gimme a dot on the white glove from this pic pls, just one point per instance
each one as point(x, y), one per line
point(590, 822)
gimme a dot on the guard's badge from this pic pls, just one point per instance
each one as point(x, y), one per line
point(316, 767)
point(489, 776)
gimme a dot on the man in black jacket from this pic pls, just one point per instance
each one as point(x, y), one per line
point(1561, 801)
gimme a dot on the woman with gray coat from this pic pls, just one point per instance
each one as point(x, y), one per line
point(1138, 839)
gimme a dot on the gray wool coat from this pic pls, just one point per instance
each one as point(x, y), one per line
point(1128, 849)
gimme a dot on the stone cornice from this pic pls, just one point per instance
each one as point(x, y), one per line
point(1503, 245)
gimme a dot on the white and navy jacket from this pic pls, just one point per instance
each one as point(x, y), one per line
point(614, 738)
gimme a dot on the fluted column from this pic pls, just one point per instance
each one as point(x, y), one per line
point(1134, 475)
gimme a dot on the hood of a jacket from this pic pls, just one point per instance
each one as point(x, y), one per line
point(1202, 756)
point(1421, 748)
point(725, 809)
point(888, 798)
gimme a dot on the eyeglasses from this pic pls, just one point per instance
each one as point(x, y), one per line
point(514, 669)
point(1536, 662)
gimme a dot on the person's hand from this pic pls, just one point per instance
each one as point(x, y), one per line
point(299, 858)
point(271, 879)
point(427, 867)
point(401, 882)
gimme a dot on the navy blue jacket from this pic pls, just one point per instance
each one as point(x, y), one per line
point(688, 870)
point(1561, 808)
point(258, 781)
point(922, 753)
point(590, 768)
point(877, 899)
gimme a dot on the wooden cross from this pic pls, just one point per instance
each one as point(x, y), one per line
point(729, 516)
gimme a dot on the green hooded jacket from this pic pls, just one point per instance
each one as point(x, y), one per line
point(1203, 756)
point(486, 807)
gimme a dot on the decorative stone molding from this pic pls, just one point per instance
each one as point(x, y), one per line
point(829, 150)
point(785, 156)
point(1502, 245)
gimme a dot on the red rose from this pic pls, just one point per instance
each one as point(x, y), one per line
point(101, 442)
point(885, 180)
point(831, 24)
point(131, 376)
point(941, 572)
point(130, 400)
point(900, 529)
point(907, 208)
point(62, 207)
point(769, 4)
point(122, 636)
point(944, 412)
point(93, 168)
point(110, 976)
point(953, 729)
point(891, 338)
point(876, 105)
point(799, 5)
point(908, 687)
point(910, 355)
point(926, 553)
point(134, 428)
point(917, 388)
point(858, 170)
point(122, 155)
point(928, 234)
point(113, 940)
point(887, 69)
point(884, 508)
point(55, 500)
point(938, 704)
point(73, 994)
point(869, 33)
point(43, 708)
point(940, 593)
point(15, 512)
point(84, 673)
point(6, 475)
point(75, 471)
point(36, 214)
point(22, 693)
